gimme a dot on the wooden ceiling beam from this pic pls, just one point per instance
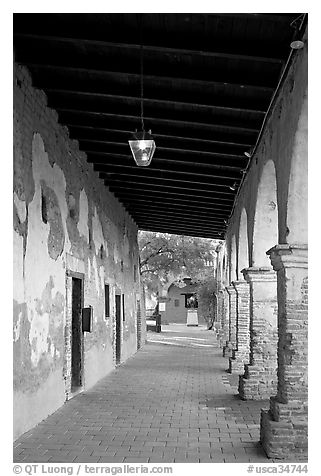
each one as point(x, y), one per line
point(172, 199)
point(147, 77)
point(135, 120)
point(176, 175)
point(127, 133)
point(105, 159)
point(172, 213)
point(210, 210)
point(151, 48)
point(137, 99)
point(182, 188)
point(169, 227)
point(177, 150)
point(201, 234)
point(217, 210)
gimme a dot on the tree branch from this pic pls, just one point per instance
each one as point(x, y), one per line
point(160, 251)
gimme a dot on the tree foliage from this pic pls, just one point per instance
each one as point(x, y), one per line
point(205, 293)
point(165, 257)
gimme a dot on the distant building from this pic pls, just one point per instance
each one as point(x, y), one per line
point(179, 300)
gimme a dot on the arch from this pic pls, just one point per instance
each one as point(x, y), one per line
point(297, 204)
point(243, 251)
point(265, 232)
point(233, 261)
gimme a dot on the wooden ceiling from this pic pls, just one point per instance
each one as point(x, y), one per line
point(208, 83)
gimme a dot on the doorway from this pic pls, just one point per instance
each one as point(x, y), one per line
point(139, 325)
point(118, 327)
point(76, 335)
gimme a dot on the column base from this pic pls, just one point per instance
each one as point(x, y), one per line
point(228, 349)
point(257, 383)
point(237, 362)
point(284, 439)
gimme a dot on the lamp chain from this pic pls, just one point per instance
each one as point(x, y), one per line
point(141, 74)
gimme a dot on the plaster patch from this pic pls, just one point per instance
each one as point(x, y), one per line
point(96, 275)
point(83, 215)
point(126, 251)
point(16, 329)
point(38, 264)
point(98, 237)
point(56, 238)
point(89, 269)
point(18, 288)
point(21, 207)
point(53, 177)
point(102, 276)
point(38, 337)
point(117, 256)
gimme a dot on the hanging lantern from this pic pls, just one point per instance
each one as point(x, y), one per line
point(143, 147)
point(142, 144)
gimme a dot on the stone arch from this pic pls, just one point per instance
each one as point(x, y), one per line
point(265, 232)
point(243, 250)
point(297, 204)
point(233, 270)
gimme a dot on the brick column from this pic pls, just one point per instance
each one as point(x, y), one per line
point(260, 378)
point(218, 321)
point(284, 426)
point(231, 342)
point(241, 354)
point(223, 333)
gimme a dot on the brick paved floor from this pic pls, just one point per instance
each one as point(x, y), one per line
point(172, 402)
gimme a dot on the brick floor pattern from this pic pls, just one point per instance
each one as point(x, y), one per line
point(171, 402)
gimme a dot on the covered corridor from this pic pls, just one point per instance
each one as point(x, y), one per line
point(227, 102)
point(172, 402)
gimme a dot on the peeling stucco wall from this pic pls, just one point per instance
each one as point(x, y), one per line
point(65, 220)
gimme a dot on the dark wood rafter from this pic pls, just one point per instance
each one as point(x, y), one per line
point(206, 96)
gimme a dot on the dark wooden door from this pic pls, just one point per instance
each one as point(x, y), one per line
point(76, 335)
point(118, 327)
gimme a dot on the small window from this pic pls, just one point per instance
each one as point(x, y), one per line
point(123, 298)
point(107, 307)
point(176, 303)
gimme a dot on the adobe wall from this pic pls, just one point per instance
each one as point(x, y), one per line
point(65, 220)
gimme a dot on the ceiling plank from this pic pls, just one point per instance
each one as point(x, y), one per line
point(198, 205)
point(145, 205)
point(168, 166)
point(128, 132)
point(181, 227)
point(157, 120)
point(147, 77)
point(181, 188)
point(154, 228)
point(154, 49)
point(200, 153)
point(180, 197)
point(188, 215)
point(93, 94)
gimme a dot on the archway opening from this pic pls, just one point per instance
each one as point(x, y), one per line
point(265, 233)
point(297, 206)
point(243, 250)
